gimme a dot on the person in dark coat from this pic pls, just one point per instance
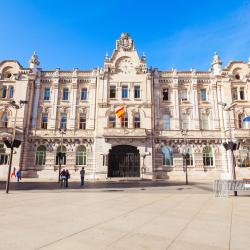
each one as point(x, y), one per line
point(67, 178)
point(63, 178)
point(18, 175)
point(82, 175)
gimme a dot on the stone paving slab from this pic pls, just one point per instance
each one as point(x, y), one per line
point(165, 217)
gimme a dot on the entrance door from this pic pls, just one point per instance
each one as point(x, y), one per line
point(124, 161)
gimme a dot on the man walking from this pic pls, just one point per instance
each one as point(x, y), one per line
point(19, 175)
point(82, 174)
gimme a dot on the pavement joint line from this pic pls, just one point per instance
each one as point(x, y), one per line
point(231, 222)
point(98, 224)
point(158, 215)
point(188, 223)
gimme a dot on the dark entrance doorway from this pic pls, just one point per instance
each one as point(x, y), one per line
point(124, 161)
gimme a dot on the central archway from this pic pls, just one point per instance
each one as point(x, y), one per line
point(124, 161)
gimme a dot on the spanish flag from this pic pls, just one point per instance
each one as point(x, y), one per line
point(120, 112)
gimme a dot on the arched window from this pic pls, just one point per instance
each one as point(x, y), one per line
point(11, 91)
point(185, 121)
point(111, 120)
point(81, 155)
point(4, 120)
point(137, 120)
point(167, 156)
point(124, 121)
point(205, 122)
point(189, 157)
point(61, 155)
point(166, 121)
point(41, 155)
point(3, 155)
point(208, 156)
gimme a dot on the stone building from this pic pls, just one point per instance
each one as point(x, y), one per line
point(167, 113)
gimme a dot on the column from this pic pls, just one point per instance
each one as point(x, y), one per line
point(73, 96)
point(195, 103)
point(91, 99)
point(35, 103)
point(54, 99)
point(215, 106)
point(175, 101)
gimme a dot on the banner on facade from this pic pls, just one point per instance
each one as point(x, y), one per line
point(120, 112)
point(246, 119)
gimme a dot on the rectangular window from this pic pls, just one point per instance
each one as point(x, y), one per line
point(11, 91)
point(124, 92)
point(82, 121)
point(203, 95)
point(242, 94)
point(84, 94)
point(165, 96)
point(137, 92)
point(44, 123)
point(112, 92)
point(63, 122)
point(46, 94)
point(166, 122)
point(4, 92)
point(185, 122)
point(65, 94)
point(234, 94)
point(205, 122)
point(184, 95)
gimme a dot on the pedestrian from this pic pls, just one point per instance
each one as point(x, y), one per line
point(63, 178)
point(82, 174)
point(13, 173)
point(67, 178)
point(19, 175)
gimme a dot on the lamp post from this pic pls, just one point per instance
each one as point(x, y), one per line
point(230, 145)
point(184, 134)
point(62, 131)
point(13, 143)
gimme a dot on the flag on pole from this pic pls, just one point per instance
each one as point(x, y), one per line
point(246, 119)
point(120, 112)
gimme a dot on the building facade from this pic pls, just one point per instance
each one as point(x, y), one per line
point(167, 113)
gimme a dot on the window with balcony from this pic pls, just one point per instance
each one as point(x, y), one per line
point(124, 92)
point(137, 120)
point(82, 121)
point(165, 94)
point(84, 94)
point(65, 96)
point(111, 120)
point(44, 124)
point(124, 121)
point(63, 121)
point(203, 93)
point(112, 91)
point(46, 96)
point(137, 92)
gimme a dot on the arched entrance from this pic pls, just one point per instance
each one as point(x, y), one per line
point(124, 161)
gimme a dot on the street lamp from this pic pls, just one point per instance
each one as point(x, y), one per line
point(62, 131)
point(184, 134)
point(13, 143)
point(230, 145)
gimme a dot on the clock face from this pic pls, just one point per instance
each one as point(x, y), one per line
point(125, 65)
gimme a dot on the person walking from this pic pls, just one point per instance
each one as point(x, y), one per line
point(63, 178)
point(19, 175)
point(82, 174)
point(13, 173)
point(67, 178)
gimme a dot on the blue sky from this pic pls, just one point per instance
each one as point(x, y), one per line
point(173, 34)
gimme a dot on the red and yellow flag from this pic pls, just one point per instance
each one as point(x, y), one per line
point(120, 112)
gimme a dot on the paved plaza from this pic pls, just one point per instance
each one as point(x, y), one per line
point(122, 215)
